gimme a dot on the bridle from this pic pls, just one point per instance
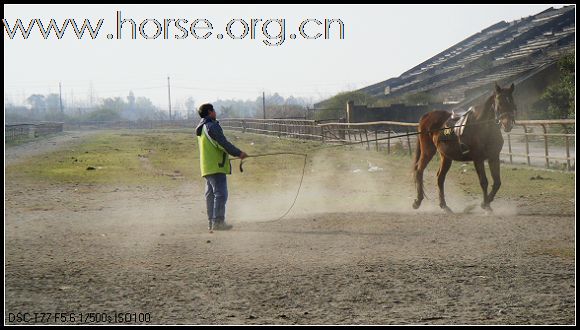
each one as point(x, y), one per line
point(500, 116)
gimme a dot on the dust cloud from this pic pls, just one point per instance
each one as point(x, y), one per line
point(352, 183)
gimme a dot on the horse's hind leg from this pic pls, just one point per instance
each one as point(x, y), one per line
point(427, 151)
point(444, 166)
point(494, 169)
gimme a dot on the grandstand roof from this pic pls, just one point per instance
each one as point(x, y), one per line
point(505, 52)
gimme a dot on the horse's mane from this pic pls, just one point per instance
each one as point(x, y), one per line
point(482, 111)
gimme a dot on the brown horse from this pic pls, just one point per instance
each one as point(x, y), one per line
point(483, 136)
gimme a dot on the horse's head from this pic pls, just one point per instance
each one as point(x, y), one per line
point(504, 107)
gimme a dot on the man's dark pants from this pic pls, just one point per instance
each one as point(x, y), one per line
point(216, 196)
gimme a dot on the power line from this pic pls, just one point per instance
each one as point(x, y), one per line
point(218, 89)
point(236, 85)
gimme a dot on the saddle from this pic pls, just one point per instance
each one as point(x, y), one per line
point(455, 125)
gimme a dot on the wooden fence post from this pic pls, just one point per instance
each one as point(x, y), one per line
point(367, 137)
point(510, 148)
point(527, 144)
point(408, 141)
point(567, 147)
point(388, 141)
point(546, 145)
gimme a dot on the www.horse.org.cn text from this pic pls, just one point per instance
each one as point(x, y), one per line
point(270, 32)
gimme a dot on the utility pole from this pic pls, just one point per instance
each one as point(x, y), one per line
point(91, 94)
point(169, 95)
point(264, 103)
point(60, 96)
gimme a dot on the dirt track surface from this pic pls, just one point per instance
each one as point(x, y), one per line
point(94, 249)
point(21, 152)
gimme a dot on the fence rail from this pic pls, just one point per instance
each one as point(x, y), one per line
point(138, 124)
point(297, 128)
point(19, 131)
point(538, 142)
point(567, 125)
point(379, 134)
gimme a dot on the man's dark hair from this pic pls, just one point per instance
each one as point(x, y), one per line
point(204, 110)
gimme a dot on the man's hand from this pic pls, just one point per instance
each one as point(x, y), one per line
point(243, 155)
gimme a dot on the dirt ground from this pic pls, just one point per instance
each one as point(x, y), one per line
point(79, 249)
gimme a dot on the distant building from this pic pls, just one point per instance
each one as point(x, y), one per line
point(524, 52)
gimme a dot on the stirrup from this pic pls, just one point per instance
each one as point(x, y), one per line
point(464, 149)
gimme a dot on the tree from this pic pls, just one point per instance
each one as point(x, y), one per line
point(227, 111)
point(53, 103)
point(286, 111)
point(103, 115)
point(129, 110)
point(560, 96)
point(37, 103)
point(146, 110)
point(190, 106)
point(131, 100)
point(115, 104)
point(335, 106)
point(274, 99)
point(420, 98)
point(16, 114)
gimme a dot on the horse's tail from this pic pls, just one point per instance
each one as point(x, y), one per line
point(418, 183)
point(423, 153)
point(417, 154)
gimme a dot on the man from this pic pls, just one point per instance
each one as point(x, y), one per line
point(215, 164)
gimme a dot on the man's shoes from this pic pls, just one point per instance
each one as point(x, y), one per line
point(210, 226)
point(222, 226)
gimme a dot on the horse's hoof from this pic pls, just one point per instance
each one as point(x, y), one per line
point(416, 204)
point(446, 209)
point(487, 209)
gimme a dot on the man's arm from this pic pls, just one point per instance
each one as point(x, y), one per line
point(215, 132)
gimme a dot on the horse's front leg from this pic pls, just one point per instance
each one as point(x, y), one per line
point(480, 169)
point(494, 169)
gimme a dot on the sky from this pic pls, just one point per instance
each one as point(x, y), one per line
point(378, 42)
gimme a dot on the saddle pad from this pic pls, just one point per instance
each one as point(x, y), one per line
point(460, 126)
point(456, 123)
point(456, 114)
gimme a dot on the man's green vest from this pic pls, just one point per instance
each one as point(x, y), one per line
point(213, 158)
